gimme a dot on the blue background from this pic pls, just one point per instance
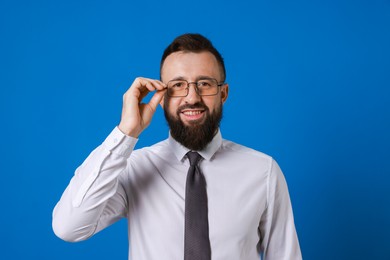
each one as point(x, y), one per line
point(309, 85)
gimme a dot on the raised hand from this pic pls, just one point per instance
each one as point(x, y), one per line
point(136, 116)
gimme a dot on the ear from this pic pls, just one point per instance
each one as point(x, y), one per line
point(224, 92)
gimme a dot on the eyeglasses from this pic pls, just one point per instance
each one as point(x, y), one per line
point(203, 87)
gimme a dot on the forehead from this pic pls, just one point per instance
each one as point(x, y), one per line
point(190, 65)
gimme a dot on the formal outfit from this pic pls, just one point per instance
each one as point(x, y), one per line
point(249, 208)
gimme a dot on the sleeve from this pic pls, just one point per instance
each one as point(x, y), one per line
point(95, 197)
point(279, 239)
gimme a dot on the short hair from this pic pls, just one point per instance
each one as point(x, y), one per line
point(193, 42)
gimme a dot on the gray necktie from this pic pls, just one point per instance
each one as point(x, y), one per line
point(196, 235)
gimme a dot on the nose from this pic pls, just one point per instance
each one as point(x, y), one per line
point(192, 96)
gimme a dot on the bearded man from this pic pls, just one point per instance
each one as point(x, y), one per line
point(192, 196)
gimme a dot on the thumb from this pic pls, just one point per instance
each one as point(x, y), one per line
point(156, 99)
point(150, 108)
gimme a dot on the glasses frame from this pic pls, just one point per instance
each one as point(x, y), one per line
point(196, 87)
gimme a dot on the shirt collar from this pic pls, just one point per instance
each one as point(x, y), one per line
point(207, 153)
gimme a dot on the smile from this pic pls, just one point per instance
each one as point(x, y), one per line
point(192, 112)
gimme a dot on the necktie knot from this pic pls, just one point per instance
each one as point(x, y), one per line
point(194, 158)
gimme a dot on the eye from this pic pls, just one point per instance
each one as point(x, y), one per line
point(204, 84)
point(178, 84)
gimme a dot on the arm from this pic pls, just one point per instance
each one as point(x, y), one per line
point(279, 239)
point(95, 197)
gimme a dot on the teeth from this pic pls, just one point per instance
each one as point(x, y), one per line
point(192, 113)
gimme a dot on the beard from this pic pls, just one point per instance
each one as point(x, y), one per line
point(195, 136)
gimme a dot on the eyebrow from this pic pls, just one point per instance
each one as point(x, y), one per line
point(196, 79)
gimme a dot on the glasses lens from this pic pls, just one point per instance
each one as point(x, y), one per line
point(204, 87)
point(207, 87)
point(177, 88)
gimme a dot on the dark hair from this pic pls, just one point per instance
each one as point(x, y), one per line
point(193, 42)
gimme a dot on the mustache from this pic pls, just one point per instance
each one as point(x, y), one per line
point(198, 105)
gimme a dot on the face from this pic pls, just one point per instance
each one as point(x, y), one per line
point(193, 119)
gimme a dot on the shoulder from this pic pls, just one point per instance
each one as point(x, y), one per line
point(241, 154)
point(238, 149)
point(157, 149)
point(145, 161)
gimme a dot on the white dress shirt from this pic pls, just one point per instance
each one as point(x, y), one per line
point(249, 207)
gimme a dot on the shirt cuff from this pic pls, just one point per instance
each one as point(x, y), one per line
point(119, 143)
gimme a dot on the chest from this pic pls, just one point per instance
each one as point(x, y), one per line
point(236, 200)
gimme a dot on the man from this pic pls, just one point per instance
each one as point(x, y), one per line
point(234, 204)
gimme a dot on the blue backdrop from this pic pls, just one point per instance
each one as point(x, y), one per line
point(309, 85)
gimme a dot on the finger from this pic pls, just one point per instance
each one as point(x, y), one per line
point(149, 86)
point(149, 109)
point(152, 84)
point(139, 89)
point(156, 99)
point(140, 85)
point(159, 85)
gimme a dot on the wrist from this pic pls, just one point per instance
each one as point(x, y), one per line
point(129, 131)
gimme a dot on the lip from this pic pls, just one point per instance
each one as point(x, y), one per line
point(192, 114)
